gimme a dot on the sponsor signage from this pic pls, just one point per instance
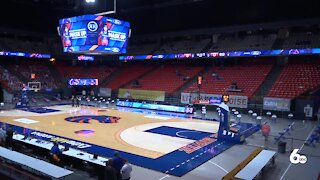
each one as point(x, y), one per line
point(141, 94)
point(234, 100)
point(276, 104)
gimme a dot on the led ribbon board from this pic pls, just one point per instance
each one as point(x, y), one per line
point(252, 53)
point(23, 54)
point(160, 107)
point(85, 58)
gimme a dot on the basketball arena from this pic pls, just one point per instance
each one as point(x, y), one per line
point(190, 90)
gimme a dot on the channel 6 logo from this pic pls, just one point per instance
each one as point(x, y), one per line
point(296, 158)
point(92, 26)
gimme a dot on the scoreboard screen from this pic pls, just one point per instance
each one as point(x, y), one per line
point(94, 34)
point(83, 82)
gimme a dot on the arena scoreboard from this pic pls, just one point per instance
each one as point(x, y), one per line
point(92, 34)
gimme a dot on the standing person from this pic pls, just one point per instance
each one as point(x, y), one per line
point(203, 111)
point(2, 135)
point(110, 173)
point(78, 101)
point(265, 128)
point(126, 170)
point(9, 138)
point(117, 164)
point(91, 93)
point(72, 100)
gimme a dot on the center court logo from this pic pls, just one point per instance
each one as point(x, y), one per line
point(296, 158)
point(88, 119)
point(92, 26)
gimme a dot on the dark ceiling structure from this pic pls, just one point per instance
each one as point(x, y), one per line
point(150, 16)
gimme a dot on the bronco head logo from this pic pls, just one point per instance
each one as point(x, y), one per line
point(88, 119)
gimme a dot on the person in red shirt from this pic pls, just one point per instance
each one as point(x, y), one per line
point(265, 128)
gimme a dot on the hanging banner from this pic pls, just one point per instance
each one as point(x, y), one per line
point(276, 104)
point(105, 92)
point(141, 94)
point(238, 101)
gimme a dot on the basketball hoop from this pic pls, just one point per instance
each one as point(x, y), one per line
point(35, 86)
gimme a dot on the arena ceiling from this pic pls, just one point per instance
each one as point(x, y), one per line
point(147, 16)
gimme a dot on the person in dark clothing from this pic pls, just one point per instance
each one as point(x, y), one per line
point(117, 163)
point(73, 100)
point(9, 140)
point(78, 101)
point(110, 171)
point(3, 135)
